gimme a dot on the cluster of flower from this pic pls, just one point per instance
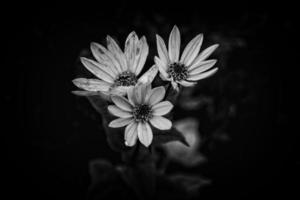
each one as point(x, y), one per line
point(137, 105)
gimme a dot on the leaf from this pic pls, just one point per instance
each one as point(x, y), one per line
point(106, 182)
point(141, 178)
point(100, 170)
point(115, 136)
point(139, 171)
point(161, 137)
point(190, 183)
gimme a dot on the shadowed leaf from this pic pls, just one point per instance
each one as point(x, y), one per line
point(161, 137)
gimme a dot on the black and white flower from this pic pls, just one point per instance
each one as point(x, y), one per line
point(143, 107)
point(190, 67)
point(116, 71)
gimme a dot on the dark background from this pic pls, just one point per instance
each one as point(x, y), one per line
point(52, 135)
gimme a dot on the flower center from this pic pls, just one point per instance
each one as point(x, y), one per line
point(178, 71)
point(126, 79)
point(142, 113)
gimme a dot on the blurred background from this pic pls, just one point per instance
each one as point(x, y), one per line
point(245, 146)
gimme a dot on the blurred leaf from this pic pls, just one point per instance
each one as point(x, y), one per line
point(161, 137)
point(190, 183)
point(100, 170)
point(106, 182)
point(139, 171)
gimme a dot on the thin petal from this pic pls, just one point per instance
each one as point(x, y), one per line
point(149, 75)
point(105, 56)
point(120, 122)
point(116, 111)
point(99, 71)
point(162, 108)
point(162, 50)
point(202, 67)
point(114, 48)
point(131, 45)
point(99, 54)
point(157, 94)
point(200, 76)
point(161, 67)
point(161, 123)
point(131, 96)
point(191, 50)
point(140, 93)
point(148, 93)
point(122, 103)
point(119, 90)
point(131, 134)
point(93, 85)
point(102, 95)
point(204, 54)
point(187, 84)
point(174, 44)
point(145, 134)
point(85, 93)
point(144, 50)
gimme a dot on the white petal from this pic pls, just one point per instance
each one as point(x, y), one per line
point(104, 56)
point(174, 44)
point(85, 93)
point(187, 83)
point(120, 122)
point(162, 108)
point(164, 78)
point(131, 134)
point(122, 103)
point(157, 94)
point(131, 96)
point(145, 134)
point(140, 61)
point(199, 76)
point(191, 50)
point(204, 54)
point(93, 85)
point(117, 52)
point(102, 95)
point(162, 50)
point(147, 93)
point(99, 54)
point(202, 67)
point(161, 123)
point(140, 93)
point(161, 67)
point(119, 90)
point(99, 71)
point(118, 112)
point(131, 44)
point(149, 75)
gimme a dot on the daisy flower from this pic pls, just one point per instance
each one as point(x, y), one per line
point(191, 67)
point(116, 70)
point(144, 106)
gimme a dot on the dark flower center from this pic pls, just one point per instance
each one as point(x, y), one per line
point(126, 79)
point(142, 113)
point(178, 71)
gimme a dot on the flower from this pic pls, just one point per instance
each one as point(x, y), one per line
point(191, 67)
point(189, 156)
point(142, 106)
point(116, 70)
